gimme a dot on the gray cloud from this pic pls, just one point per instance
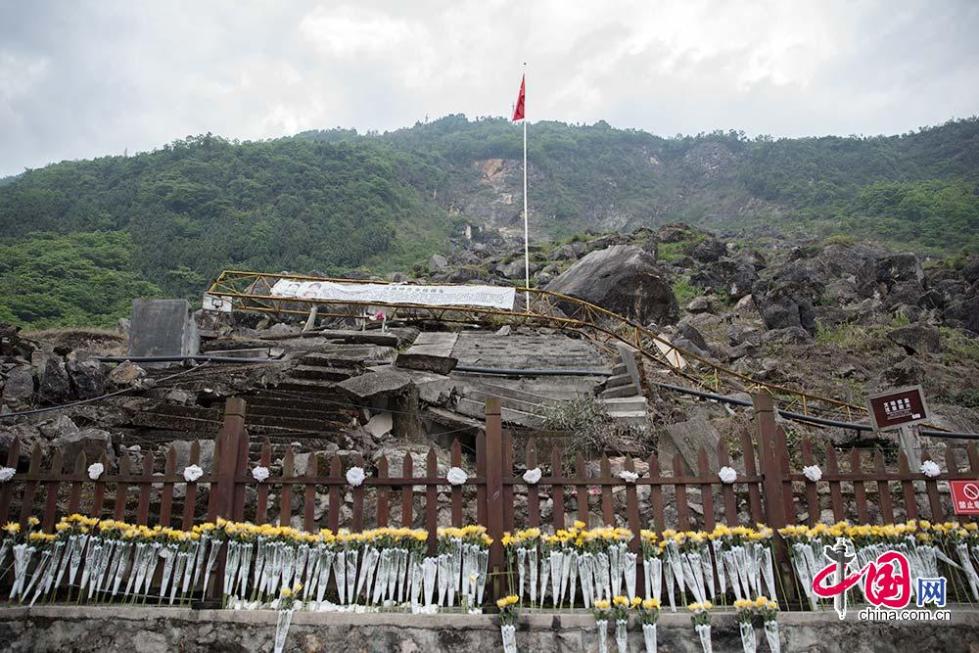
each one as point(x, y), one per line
point(87, 79)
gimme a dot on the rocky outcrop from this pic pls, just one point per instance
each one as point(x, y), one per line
point(624, 279)
point(916, 338)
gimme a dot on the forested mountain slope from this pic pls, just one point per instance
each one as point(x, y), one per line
point(77, 239)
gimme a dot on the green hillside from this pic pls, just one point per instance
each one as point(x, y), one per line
point(77, 239)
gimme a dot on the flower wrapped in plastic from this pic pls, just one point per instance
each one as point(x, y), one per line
point(508, 622)
point(601, 611)
point(745, 613)
point(769, 613)
point(700, 617)
point(286, 604)
point(648, 616)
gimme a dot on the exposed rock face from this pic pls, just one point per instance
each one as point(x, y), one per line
point(623, 279)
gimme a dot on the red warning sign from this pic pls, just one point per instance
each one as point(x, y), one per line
point(965, 497)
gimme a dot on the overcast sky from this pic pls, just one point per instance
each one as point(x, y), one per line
point(82, 79)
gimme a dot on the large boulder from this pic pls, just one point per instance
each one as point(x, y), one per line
point(727, 276)
point(54, 386)
point(786, 305)
point(94, 442)
point(916, 338)
point(623, 279)
point(900, 268)
point(87, 377)
point(18, 389)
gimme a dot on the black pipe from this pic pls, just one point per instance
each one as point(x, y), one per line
point(796, 417)
point(509, 371)
point(811, 419)
point(181, 359)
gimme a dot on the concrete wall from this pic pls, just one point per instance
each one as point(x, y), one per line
point(115, 629)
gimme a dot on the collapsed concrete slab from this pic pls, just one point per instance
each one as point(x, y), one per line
point(431, 352)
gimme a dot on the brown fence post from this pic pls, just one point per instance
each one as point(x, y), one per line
point(222, 496)
point(494, 491)
point(231, 435)
point(773, 498)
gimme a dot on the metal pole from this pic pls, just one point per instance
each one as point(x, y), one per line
point(526, 229)
point(910, 442)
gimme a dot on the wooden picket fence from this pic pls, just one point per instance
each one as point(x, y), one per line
point(766, 489)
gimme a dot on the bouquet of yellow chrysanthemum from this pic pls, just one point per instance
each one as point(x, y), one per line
point(508, 621)
point(700, 617)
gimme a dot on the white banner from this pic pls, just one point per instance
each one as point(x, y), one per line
point(377, 293)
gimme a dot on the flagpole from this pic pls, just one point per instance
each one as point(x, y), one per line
point(526, 229)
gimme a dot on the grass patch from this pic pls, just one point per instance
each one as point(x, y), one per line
point(685, 291)
point(957, 346)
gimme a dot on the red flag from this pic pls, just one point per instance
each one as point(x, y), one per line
point(518, 111)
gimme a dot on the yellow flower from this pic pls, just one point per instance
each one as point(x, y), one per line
point(620, 601)
point(33, 521)
point(761, 601)
point(650, 604)
point(11, 528)
point(507, 601)
point(636, 602)
point(601, 604)
point(286, 593)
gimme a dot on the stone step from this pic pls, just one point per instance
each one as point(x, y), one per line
point(350, 356)
point(311, 386)
point(637, 418)
point(488, 387)
point(481, 395)
point(322, 373)
point(293, 422)
point(620, 391)
point(616, 380)
point(625, 404)
point(477, 410)
point(620, 369)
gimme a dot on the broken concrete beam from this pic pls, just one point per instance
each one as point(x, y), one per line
point(349, 355)
point(431, 352)
point(376, 384)
point(162, 327)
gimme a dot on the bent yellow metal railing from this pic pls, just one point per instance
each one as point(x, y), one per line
point(251, 291)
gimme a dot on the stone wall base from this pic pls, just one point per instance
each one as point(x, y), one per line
point(120, 629)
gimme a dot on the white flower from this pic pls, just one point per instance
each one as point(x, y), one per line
point(727, 475)
point(192, 473)
point(930, 468)
point(532, 476)
point(6, 473)
point(812, 472)
point(95, 470)
point(456, 476)
point(628, 477)
point(356, 476)
point(260, 473)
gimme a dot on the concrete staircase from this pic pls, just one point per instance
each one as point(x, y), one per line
point(622, 395)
